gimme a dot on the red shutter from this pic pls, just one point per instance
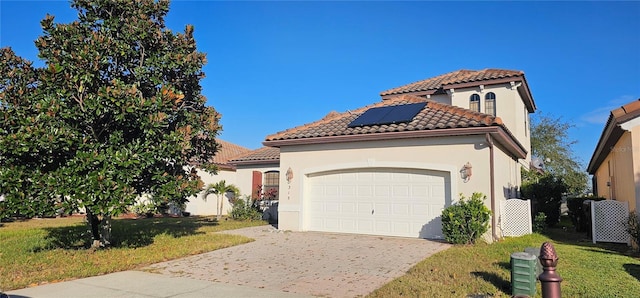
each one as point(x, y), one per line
point(256, 181)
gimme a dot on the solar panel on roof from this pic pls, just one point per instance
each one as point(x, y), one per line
point(402, 113)
point(388, 115)
point(371, 116)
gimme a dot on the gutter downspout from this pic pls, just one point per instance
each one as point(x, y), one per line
point(493, 187)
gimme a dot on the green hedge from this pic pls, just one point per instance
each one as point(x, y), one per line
point(577, 213)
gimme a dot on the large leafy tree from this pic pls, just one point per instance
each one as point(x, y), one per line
point(116, 112)
point(551, 143)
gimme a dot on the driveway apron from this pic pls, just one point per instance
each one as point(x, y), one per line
point(311, 263)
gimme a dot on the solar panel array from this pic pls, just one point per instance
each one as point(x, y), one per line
point(388, 115)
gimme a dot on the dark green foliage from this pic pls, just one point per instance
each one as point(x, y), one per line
point(242, 209)
point(115, 113)
point(545, 194)
point(465, 221)
point(539, 223)
point(577, 212)
point(550, 142)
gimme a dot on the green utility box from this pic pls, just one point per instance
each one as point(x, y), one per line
point(523, 274)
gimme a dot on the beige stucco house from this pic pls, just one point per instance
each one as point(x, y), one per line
point(615, 164)
point(390, 168)
point(226, 171)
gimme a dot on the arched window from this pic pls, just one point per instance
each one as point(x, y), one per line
point(474, 103)
point(271, 184)
point(490, 103)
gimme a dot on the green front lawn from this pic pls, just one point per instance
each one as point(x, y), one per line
point(48, 250)
point(588, 270)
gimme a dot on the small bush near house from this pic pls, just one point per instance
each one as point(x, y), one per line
point(144, 209)
point(242, 209)
point(465, 221)
point(577, 213)
point(539, 223)
point(633, 228)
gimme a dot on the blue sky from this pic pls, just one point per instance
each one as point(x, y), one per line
point(276, 65)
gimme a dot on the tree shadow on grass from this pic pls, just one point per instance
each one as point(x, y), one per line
point(496, 280)
point(567, 235)
point(125, 233)
point(633, 270)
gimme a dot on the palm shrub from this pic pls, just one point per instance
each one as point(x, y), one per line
point(465, 221)
point(220, 189)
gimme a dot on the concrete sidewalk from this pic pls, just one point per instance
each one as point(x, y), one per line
point(143, 284)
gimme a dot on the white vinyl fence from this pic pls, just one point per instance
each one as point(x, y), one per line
point(515, 217)
point(609, 221)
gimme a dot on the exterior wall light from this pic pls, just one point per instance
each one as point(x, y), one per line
point(466, 172)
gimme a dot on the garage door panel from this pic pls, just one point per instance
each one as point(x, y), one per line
point(366, 226)
point(399, 209)
point(421, 210)
point(348, 190)
point(393, 202)
point(364, 208)
point(382, 191)
point(401, 190)
point(348, 208)
point(382, 209)
point(331, 208)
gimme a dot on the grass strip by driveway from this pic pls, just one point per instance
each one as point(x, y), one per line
point(483, 270)
point(49, 250)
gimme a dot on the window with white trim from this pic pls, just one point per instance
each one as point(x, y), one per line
point(490, 103)
point(474, 102)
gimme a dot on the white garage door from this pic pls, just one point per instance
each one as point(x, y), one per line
point(392, 202)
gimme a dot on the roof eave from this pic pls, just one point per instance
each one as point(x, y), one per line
point(503, 137)
point(254, 162)
point(609, 137)
point(416, 93)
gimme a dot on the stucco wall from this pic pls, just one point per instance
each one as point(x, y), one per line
point(622, 186)
point(509, 107)
point(197, 206)
point(635, 151)
point(447, 154)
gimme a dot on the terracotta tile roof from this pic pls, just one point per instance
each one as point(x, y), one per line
point(612, 132)
point(435, 116)
point(226, 152)
point(457, 77)
point(261, 155)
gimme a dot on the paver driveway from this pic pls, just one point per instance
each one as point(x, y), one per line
point(313, 263)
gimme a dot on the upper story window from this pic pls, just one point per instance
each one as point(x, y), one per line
point(474, 102)
point(490, 103)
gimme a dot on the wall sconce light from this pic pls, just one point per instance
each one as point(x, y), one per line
point(289, 175)
point(466, 172)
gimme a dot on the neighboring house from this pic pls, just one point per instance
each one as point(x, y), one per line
point(615, 164)
point(392, 167)
point(226, 171)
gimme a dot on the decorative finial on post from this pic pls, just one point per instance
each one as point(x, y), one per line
point(549, 279)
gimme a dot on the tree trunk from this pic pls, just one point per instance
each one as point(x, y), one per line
point(100, 230)
point(219, 215)
point(94, 224)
